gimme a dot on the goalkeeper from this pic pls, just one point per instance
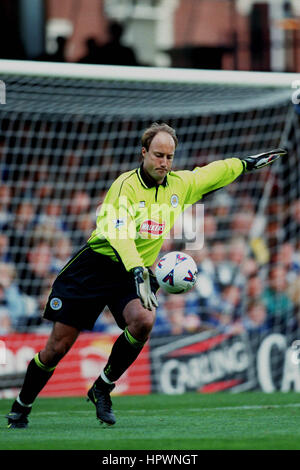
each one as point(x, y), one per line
point(112, 269)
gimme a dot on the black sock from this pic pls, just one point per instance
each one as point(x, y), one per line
point(124, 352)
point(36, 377)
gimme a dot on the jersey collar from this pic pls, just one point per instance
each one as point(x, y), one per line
point(146, 180)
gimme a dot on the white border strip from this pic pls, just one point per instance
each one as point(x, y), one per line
point(150, 74)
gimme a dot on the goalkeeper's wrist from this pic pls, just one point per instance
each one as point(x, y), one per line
point(137, 269)
point(244, 163)
point(138, 274)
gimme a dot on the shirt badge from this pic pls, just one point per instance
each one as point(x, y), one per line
point(55, 303)
point(174, 200)
point(119, 223)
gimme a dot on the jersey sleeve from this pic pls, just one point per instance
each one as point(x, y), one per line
point(215, 175)
point(116, 223)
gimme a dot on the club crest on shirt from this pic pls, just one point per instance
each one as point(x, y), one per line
point(55, 303)
point(174, 200)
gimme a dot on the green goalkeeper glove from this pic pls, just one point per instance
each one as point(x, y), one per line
point(143, 287)
point(255, 162)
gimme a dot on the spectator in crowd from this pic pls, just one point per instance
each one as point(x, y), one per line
point(220, 269)
point(92, 52)
point(44, 190)
point(62, 252)
point(250, 267)
point(237, 255)
point(292, 222)
point(199, 299)
point(274, 233)
point(11, 301)
point(72, 164)
point(19, 309)
point(4, 248)
point(293, 293)
point(255, 319)
point(37, 269)
point(278, 305)
point(289, 259)
point(52, 216)
point(180, 322)
point(254, 288)
point(20, 232)
point(93, 182)
point(5, 202)
point(162, 325)
point(241, 224)
point(59, 54)
point(171, 316)
point(84, 226)
point(4, 167)
point(221, 207)
point(210, 228)
point(227, 262)
point(50, 226)
point(113, 52)
point(79, 203)
point(226, 310)
point(5, 322)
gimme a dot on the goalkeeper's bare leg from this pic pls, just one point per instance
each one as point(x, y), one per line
point(39, 371)
point(127, 347)
point(124, 352)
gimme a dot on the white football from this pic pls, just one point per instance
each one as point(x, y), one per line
point(176, 272)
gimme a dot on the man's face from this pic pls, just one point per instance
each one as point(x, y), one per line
point(159, 158)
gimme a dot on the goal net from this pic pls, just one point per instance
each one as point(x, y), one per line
point(68, 130)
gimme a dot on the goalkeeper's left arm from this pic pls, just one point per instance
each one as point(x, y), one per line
point(220, 173)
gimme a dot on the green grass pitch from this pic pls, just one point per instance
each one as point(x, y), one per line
point(252, 420)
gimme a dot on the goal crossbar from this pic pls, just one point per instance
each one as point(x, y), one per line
point(147, 74)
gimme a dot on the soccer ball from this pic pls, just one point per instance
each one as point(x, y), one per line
point(176, 272)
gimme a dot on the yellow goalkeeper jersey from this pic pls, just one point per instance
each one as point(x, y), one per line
point(137, 214)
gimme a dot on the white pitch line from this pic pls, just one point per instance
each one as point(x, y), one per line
point(248, 407)
point(217, 408)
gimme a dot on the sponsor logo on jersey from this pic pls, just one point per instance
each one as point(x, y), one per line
point(151, 227)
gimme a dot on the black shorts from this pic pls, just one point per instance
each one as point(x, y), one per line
point(88, 283)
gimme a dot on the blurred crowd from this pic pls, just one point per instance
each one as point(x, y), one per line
point(241, 287)
point(111, 52)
